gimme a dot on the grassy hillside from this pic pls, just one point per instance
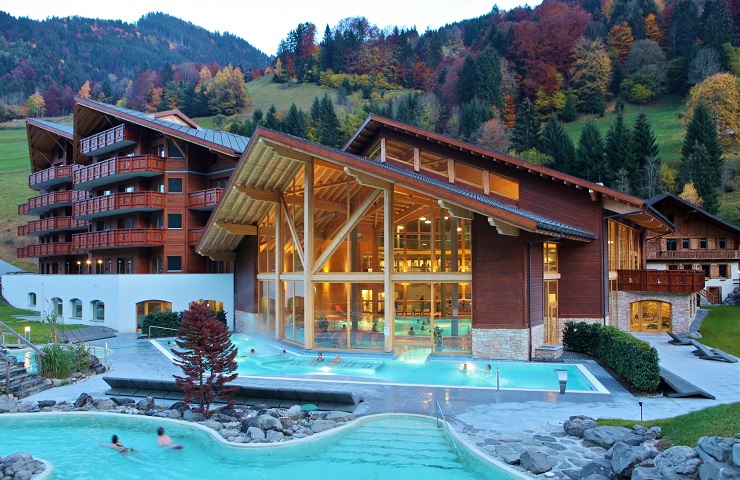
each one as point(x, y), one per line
point(664, 116)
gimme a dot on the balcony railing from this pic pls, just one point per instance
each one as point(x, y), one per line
point(194, 235)
point(49, 177)
point(133, 237)
point(48, 225)
point(676, 281)
point(117, 169)
point(50, 201)
point(205, 199)
point(118, 203)
point(718, 254)
point(112, 139)
point(45, 250)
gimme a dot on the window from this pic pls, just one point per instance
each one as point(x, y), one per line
point(98, 309)
point(174, 185)
point(156, 221)
point(127, 189)
point(31, 299)
point(102, 225)
point(724, 271)
point(174, 220)
point(158, 151)
point(721, 243)
point(57, 306)
point(702, 243)
point(126, 222)
point(174, 264)
point(685, 244)
point(550, 251)
point(707, 271)
point(219, 183)
point(76, 305)
point(157, 186)
point(670, 244)
point(125, 265)
point(218, 267)
point(173, 151)
point(157, 264)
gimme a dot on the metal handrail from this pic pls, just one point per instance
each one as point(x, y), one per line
point(8, 361)
point(438, 412)
point(162, 328)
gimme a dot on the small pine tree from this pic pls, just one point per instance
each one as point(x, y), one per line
point(569, 112)
point(295, 122)
point(526, 127)
point(556, 143)
point(644, 149)
point(207, 358)
point(590, 154)
point(617, 146)
point(702, 157)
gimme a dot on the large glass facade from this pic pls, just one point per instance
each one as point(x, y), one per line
point(357, 288)
point(650, 316)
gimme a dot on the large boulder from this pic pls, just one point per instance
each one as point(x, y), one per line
point(145, 404)
point(83, 400)
point(626, 457)
point(268, 422)
point(192, 416)
point(578, 424)
point(105, 404)
point(718, 448)
point(8, 405)
point(679, 460)
point(273, 436)
point(295, 412)
point(643, 473)
point(338, 416)
point(535, 462)
point(736, 454)
point(600, 466)
point(322, 425)
point(254, 433)
point(605, 436)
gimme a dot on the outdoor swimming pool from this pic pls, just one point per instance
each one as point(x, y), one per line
point(376, 448)
point(269, 361)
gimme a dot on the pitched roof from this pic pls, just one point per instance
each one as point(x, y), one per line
point(6, 268)
point(225, 142)
point(653, 202)
point(65, 131)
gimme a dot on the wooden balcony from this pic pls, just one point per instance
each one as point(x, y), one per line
point(114, 138)
point(116, 170)
point(702, 254)
point(194, 235)
point(205, 199)
point(50, 225)
point(45, 250)
point(49, 201)
point(120, 238)
point(676, 281)
point(117, 204)
point(50, 177)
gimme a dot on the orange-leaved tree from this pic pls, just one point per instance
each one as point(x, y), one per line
point(207, 358)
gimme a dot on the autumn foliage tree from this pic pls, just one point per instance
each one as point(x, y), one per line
point(207, 358)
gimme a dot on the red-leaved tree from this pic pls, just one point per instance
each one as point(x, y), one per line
point(207, 358)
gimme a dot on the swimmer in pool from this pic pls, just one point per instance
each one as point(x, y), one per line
point(319, 359)
point(164, 440)
point(336, 360)
point(117, 445)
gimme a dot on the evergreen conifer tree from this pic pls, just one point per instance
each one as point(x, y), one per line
point(472, 115)
point(271, 120)
point(644, 149)
point(295, 122)
point(329, 128)
point(526, 127)
point(556, 143)
point(617, 147)
point(589, 162)
point(716, 25)
point(466, 80)
point(569, 112)
point(487, 78)
point(702, 157)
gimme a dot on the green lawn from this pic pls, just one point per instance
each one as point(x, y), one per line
point(721, 329)
point(14, 149)
point(40, 332)
point(265, 93)
point(720, 421)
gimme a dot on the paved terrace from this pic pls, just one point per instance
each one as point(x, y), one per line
point(466, 408)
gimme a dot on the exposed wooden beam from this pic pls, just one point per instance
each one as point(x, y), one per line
point(455, 211)
point(409, 213)
point(418, 277)
point(451, 170)
point(417, 159)
point(503, 228)
point(238, 228)
point(368, 180)
point(220, 256)
point(293, 231)
point(341, 277)
point(351, 223)
point(319, 204)
point(286, 152)
point(260, 195)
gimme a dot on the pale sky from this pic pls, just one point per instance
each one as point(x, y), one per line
point(265, 23)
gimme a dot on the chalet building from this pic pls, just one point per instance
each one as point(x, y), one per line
point(122, 193)
point(701, 241)
point(410, 240)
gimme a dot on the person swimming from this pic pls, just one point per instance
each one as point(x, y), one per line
point(336, 360)
point(164, 440)
point(117, 445)
point(319, 359)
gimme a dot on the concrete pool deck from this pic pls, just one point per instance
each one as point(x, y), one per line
point(466, 408)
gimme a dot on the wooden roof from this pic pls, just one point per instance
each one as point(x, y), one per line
point(43, 137)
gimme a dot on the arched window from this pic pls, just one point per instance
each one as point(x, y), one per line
point(76, 308)
point(98, 308)
point(31, 299)
point(57, 306)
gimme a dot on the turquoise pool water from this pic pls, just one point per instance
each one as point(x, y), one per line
point(268, 361)
point(26, 357)
point(382, 448)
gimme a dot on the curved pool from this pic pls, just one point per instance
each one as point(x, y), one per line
point(387, 446)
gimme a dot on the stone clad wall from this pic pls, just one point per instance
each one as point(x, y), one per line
point(683, 307)
point(505, 344)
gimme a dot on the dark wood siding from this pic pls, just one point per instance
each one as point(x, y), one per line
point(245, 275)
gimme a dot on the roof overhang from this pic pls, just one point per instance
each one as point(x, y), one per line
point(42, 138)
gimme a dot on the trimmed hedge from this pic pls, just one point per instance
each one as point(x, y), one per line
point(636, 361)
point(166, 319)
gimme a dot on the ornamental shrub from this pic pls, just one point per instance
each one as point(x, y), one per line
point(634, 360)
point(166, 320)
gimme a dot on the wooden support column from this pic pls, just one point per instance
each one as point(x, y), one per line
point(390, 306)
point(417, 160)
point(383, 150)
point(279, 288)
point(308, 237)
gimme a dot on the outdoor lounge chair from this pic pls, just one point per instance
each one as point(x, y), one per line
point(676, 340)
point(706, 353)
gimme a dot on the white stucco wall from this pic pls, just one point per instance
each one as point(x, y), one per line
point(120, 293)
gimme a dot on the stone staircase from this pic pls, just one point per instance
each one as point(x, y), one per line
point(22, 383)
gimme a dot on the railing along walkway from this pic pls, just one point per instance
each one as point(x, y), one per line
point(437, 414)
point(21, 339)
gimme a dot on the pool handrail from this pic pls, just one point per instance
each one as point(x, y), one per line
point(437, 413)
point(24, 340)
point(161, 328)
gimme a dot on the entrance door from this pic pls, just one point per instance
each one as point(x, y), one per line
point(650, 316)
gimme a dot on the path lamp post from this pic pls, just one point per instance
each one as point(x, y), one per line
point(89, 266)
point(79, 267)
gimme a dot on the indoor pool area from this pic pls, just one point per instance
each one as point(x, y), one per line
point(387, 446)
point(414, 367)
